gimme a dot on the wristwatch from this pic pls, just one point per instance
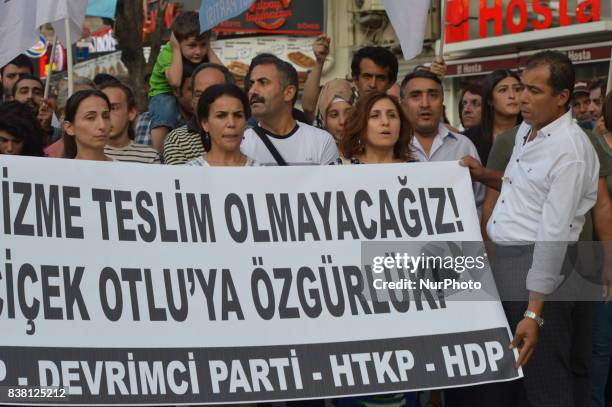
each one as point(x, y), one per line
point(535, 317)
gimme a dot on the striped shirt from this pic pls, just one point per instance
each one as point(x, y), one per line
point(134, 153)
point(182, 145)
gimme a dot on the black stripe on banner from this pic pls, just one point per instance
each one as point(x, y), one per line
point(219, 375)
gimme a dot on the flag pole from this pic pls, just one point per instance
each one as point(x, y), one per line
point(69, 49)
point(50, 68)
point(609, 76)
point(440, 52)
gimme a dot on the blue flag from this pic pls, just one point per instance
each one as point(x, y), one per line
point(101, 8)
point(213, 12)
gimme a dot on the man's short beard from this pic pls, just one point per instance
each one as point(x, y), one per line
point(32, 106)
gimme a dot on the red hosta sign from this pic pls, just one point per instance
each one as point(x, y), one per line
point(514, 17)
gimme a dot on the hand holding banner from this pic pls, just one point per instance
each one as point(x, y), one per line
point(188, 285)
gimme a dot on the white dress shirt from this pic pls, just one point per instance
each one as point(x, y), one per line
point(448, 146)
point(549, 185)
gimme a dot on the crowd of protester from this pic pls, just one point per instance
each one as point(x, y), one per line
point(538, 146)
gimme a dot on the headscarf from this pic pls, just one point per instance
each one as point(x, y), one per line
point(331, 92)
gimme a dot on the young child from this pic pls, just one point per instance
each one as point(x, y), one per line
point(186, 49)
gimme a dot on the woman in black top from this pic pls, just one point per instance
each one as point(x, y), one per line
point(500, 110)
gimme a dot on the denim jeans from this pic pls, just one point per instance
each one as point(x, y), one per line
point(164, 111)
point(602, 353)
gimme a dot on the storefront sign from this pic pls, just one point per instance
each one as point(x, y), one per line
point(515, 16)
point(110, 64)
point(237, 53)
point(483, 66)
point(100, 41)
point(297, 17)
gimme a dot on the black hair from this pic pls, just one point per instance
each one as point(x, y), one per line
point(606, 111)
point(380, 56)
point(229, 78)
point(418, 74)
point(288, 73)
point(20, 61)
point(186, 77)
point(561, 71)
point(254, 63)
point(102, 78)
point(475, 89)
point(25, 77)
point(19, 121)
point(209, 97)
point(599, 84)
point(187, 24)
point(72, 106)
point(488, 85)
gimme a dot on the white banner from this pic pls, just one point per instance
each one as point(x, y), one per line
point(131, 284)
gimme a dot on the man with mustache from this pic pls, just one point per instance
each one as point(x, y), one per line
point(422, 99)
point(279, 139)
point(580, 106)
point(549, 185)
point(597, 94)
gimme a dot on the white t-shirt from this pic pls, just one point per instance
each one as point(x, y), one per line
point(305, 145)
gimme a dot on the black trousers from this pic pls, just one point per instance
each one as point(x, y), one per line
point(558, 374)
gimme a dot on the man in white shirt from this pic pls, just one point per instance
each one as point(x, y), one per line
point(282, 140)
point(548, 186)
point(422, 100)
